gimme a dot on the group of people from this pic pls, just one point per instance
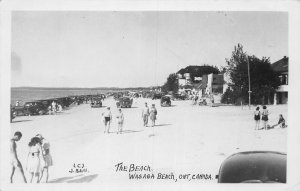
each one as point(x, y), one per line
point(146, 114)
point(149, 113)
point(264, 117)
point(107, 119)
point(54, 108)
point(38, 159)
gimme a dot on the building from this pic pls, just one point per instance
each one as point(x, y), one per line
point(212, 86)
point(184, 83)
point(281, 67)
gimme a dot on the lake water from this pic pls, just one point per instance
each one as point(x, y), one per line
point(31, 94)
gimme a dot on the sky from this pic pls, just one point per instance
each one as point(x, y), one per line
point(134, 49)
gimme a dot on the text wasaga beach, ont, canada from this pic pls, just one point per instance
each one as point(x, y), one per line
point(145, 172)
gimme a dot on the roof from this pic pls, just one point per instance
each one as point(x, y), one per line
point(281, 65)
point(198, 71)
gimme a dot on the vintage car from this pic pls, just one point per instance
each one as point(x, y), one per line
point(157, 96)
point(31, 108)
point(97, 103)
point(124, 102)
point(117, 96)
point(254, 167)
point(179, 97)
point(165, 101)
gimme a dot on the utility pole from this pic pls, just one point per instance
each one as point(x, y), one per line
point(247, 58)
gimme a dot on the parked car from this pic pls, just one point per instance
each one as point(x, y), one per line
point(12, 113)
point(31, 108)
point(179, 97)
point(254, 167)
point(95, 104)
point(165, 101)
point(36, 108)
point(124, 102)
point(157, 96)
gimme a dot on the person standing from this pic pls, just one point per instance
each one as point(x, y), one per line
point(53, 107)
point(50, 110)
point(15, 163)
point(35, 159)
point(59, 108)
point(265, 117)
point(145, 114)
point(153, 113)
point(107, 119)
point(120, 117)
point(47, 157)
point(257, 118)
point(17, 103)
point(196, 98)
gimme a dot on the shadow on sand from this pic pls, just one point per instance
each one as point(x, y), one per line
point(126, 131)
point(58, 113)
point(25, 120)
point(127, 107)
point(74, 179)
point(160, 125)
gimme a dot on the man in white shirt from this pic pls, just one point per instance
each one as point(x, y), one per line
point(145, 114)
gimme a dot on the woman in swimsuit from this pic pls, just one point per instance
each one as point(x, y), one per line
point(257, 118)
point(35, 159)
point(265, 117)
point(47, 157)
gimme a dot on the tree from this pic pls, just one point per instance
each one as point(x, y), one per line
point(171, 84)
point(264, 80)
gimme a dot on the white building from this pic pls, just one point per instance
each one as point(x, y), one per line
point(281, 67)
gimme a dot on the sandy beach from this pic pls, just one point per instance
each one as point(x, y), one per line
point(186, 139)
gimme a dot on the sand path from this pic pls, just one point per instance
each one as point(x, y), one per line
point(187, 139)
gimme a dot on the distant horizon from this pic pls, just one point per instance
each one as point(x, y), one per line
point(44, 87)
